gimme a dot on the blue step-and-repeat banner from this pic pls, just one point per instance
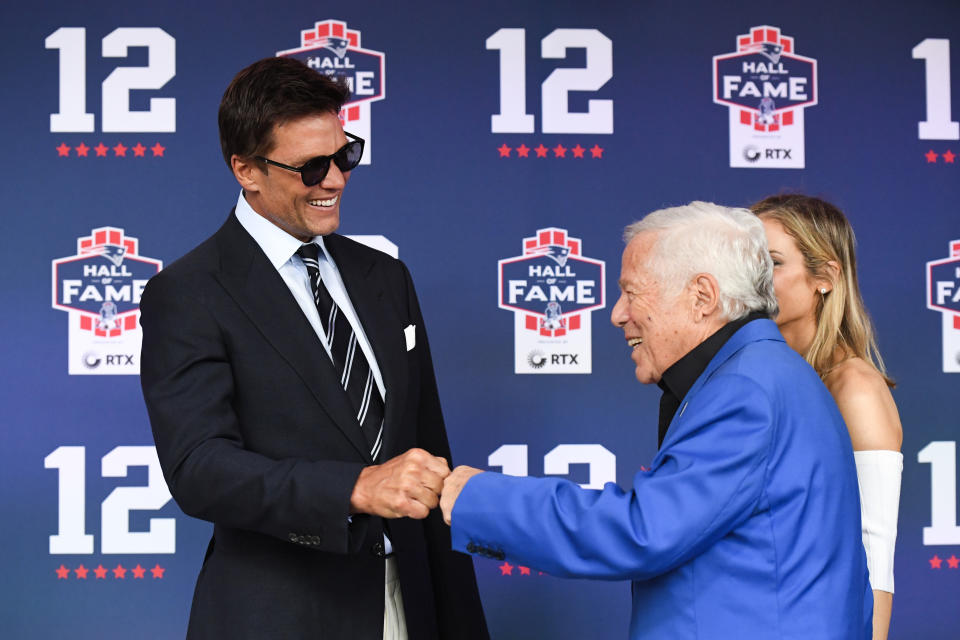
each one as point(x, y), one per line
point(509, 142)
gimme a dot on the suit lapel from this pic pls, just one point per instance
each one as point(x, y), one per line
point(261, 293)
point(381, 323)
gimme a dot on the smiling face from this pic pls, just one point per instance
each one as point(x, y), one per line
point(659, 329)
point(279, 195)
point(796, 289)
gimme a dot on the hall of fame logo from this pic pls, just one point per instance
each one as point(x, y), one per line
point(552, 289)
point(766, 86)
point(100, 289)
point(331, 48)
point(943, 295)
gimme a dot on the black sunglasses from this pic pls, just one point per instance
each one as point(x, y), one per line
point(315, 170)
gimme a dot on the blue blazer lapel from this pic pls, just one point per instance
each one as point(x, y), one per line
point(751, 332)
point(381, 322)
point(260, 292)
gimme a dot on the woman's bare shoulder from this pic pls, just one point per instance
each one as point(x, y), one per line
point(867, 406)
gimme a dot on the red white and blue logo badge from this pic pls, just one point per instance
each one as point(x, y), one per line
point(943, 295)
point(331, 48)
point(100, 288)
point(552, 288)
point(766, 86)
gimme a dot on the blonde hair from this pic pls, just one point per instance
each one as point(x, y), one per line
point(824, 235)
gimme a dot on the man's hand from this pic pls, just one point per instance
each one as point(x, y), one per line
point(407, 486)
point(452, 486)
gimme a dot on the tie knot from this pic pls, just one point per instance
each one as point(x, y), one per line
point(310, 254)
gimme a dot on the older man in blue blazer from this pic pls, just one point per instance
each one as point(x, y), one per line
point(747, 523)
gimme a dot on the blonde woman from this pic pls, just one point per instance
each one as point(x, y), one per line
point(822, 317)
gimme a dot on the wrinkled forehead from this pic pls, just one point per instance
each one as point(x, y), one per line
point(637, 258)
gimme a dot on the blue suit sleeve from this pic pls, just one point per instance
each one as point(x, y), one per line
point(707, 480)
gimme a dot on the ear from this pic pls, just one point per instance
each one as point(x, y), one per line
point(248, 172)
point(831, 275)
point(705, 296)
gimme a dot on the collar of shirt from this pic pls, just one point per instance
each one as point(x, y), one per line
point(278, 245)
point(677, 380)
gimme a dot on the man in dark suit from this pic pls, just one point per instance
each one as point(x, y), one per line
point(292, 396)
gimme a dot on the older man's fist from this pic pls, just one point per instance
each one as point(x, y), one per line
point(452, 485)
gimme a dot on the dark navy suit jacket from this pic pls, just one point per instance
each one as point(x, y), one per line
point(747, 524)
point(255, 434)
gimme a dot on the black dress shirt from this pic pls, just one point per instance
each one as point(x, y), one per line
point(680, 376)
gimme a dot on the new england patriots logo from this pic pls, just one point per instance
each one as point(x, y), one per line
point(555, 252)
point(111, 252)
point(771, 51)
point(768, 50)
point(337, 45)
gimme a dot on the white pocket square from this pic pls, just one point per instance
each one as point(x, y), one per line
point(410, 333)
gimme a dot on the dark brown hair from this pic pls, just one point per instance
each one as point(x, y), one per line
point(269, 92)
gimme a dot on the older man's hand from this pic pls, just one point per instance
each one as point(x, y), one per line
point(452, 485)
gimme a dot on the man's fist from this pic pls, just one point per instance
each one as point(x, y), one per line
point(452, 485)
point(407, 486)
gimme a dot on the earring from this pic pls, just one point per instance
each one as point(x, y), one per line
point(823, 291)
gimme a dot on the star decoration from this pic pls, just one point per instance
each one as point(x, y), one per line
point(542, 151)
point(157, 571)
point(948, 156)
point(63, 150)
point(506, 569)
point(120, 150)
point(101, 572)
point(524, 571)
point(119, 572)
point(158, 150)
point(81, 572)
point(931, 156)
point(953, 561)
point(63, 573)
point(138, 150)
point(101, 150)
point(82, 150)
point(138, 572)
point(935, 562)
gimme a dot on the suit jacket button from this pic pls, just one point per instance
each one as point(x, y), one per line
point(377, 549)
point(471, 548)
point(292, 537)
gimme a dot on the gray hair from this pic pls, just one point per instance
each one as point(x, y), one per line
point(702, 237)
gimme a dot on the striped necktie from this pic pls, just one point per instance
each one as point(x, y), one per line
point(356, 377)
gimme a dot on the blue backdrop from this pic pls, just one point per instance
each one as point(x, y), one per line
point(456, 192)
